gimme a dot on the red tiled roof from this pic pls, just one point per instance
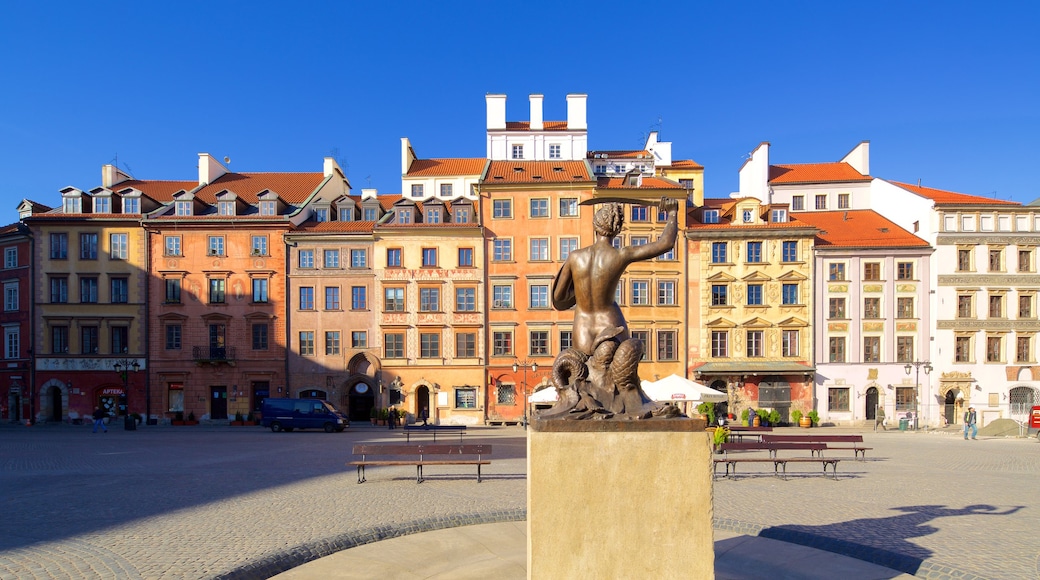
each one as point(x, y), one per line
point(647, 183)
point(536, 172)
point(358, 227)
point(546, 125)
point(726, 205)
point(290, 187)
point(683, 164)
point(640, 154)
point(436, 167)
point(815, 173)
point(941, 197)
point(861, 228)
point(161, 191)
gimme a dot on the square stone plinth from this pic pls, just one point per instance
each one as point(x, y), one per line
point(619, 499)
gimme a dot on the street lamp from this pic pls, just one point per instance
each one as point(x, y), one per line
point(917, 386)
point(517, 365)
point(123, 366)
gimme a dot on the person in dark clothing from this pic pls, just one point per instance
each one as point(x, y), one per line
point(391, 417)
point(99, 420)
point(425, 415)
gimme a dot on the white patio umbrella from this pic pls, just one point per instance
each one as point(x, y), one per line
point(546, 395)
point(674, 388)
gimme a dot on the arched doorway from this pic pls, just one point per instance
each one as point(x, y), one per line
point(54, 410)
point(422, 402)
point(870, 404)
point(14, 406)
point(1021, 401)
point(721, 409)
point(950, 404)
point(360, 401)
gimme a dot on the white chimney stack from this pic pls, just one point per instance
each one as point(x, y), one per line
point(496, 111)
point(209, 169)
point(536, 112)
point(576, 112)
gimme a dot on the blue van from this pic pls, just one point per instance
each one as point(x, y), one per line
point(289, 414)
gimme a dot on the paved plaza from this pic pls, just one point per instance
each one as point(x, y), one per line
point(242, 502)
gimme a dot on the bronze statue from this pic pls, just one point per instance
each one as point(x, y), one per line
point(598, 377)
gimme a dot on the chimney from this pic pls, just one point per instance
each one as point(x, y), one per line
point(110, 176)
point(496, 111)
point(576, 112)
point(369, 193)
point(859, 157)
point(209, 169)
point(407, 155)
point(536, 112)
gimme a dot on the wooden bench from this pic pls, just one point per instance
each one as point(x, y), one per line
point(419, 456)
point(854, 442)
point(778, 462)
point(434, 429)
point(739, 432)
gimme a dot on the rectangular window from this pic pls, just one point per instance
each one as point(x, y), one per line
point(88, 339)
point(539, 249)
point(501, 250)
point(59, 290)
point(465, 398)
point(429, 257)
point(871, 349)
point(332, 298)
point(429, 299)
point(260, 289)
point(843, 201)
point(321, 214)
point(226, 208)
point(446, 190)
point(789, 343)
point(754, 295)
point(59, 246)
point(640, 214)
point(1025, 260)
point(643, 336)
point(964, 260)
point(836, 311)
point(665, 293)
point(429, 345)
point(12, 343)
point(778, 216)
point(554, 151)
point(1025, 306)
point(718, 253)
point(754, 252)
point(789, 294)
point(11, 296)
point(370, 214)
point(755, 343)
point(962, 349)
point(837, 349)
point(332, 342)
point(797, 202)
point(567, 245)
point(904, 307)
point(393, 299)
point(502, 208)
point(433, 214)
point(173, 290)
point(996, 260)
point(666, 345)
point(640, 240)
point(996, 306)
point(872, 271)
point(259, 332)
point(359, 298)
point(506, 394)
point(965, 309)
point(539, 341)
point(268, 208)
point(306, 258)
point(568, 207)
point(466, 299)
point(307, 343)
point(306, 298)
point(215, 246)
point(331, 258)
point(59, 339)
point(358, 258)
point(120, 290)
point(540, 208)
point(173, 336)
point(566, 340)
point(871, 308)
point(904, 349)
point(838, 399)
point(1024, 349)
point(540, 296)
point(994, 349)
point(710, 216)
point(88, 290)
point(465, 257)
point(790, 251)
point(821, 201)
point(119, 339)
point(258, 246)
point(502, 343)
point(466, 345)
point(905, 271)
point(518, 151)
point(640, 293)
point(719, 295)
point(216, 290)
point(393, 258)
point(359, 339)
point(502, 296)
point(836, 271)
point(417, 190)
point(88, 246)
point(120, 246)
point(719, 343)
point(403, 215)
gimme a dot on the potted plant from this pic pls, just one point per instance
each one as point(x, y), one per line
point(402, 415)
point(814, 417)
point(250, 419)
point(178, 418)
point(763, 418)
point(384, 413)
point(373, 415)
point(238, 419)
point(796, 416)
point(191, 419)
point(720, 436)
point(744, 418)
point(774, 417)
point(707, 411)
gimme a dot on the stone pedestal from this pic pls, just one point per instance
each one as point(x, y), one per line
point(619, 499)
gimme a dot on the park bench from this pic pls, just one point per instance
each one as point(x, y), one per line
point(779, 463)
point(846, 442)
point(433, 429)
point(739, 432)
point(419, 455)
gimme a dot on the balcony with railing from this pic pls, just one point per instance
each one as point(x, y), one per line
point(213, 355)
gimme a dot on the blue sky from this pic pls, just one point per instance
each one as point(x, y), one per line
point(945, 92)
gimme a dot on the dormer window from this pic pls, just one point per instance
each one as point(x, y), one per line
point(268, 208)
point(748, 216)
point(433, 215)
point(404, 215)
point(72, 205)
point(102, 205)
point(321, 214)
point(226, 208)
point(131, 205)
point(633, 181)
point(778, 216)
point(370, 214)
point(711, 216)
point(183, 208)
point(462, 214)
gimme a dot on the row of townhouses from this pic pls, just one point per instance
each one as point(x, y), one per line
point(814, 287)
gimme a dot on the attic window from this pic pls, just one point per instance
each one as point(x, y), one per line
point(536, 177)
point(578, 177)
point(883, 230)
point(560, 169)
point(497, 177)
point(518, 169)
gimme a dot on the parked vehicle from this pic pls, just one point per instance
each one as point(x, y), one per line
point(1034, 421)
point(289, 414)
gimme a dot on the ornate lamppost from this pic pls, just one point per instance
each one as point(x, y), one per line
point(917, 386)
point(517, 365)
point(124, 366)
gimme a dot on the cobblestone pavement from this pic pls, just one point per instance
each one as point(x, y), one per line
point(242, 502)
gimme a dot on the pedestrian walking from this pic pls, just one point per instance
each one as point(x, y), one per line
point(391, 417)
point(425, 415)
point(879, 419)
point(99, 420)
point(969, 423)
